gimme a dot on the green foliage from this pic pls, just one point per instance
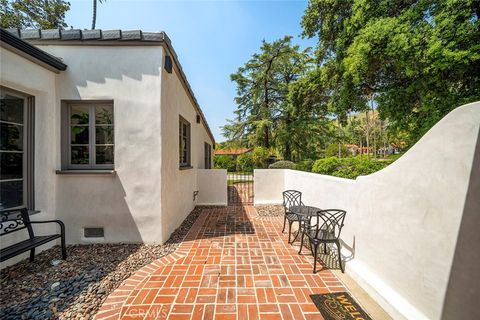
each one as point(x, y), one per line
point(350, 168)
point(42, 14)
point(332, 150)
point(413, 60)
point(283, 164)
point(260, 157)
point(245, 162)
point(305, 165)
point(264, 117)
point(224, 162)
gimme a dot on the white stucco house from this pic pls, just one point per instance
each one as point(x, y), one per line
point(101, 129)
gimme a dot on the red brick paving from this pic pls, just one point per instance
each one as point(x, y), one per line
point(233, 264)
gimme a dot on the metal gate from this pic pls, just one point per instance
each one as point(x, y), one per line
point(240, 188)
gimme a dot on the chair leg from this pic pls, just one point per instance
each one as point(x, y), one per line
point(32, 254)
point(284, 222)
point(64, 249)
point(340, 256)
point(301, 243)
point(315, 252)
point(289, 230)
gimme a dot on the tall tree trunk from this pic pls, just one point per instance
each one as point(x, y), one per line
point(339, 139)
point(374, 131)
point(288, 147)
point(94, 18)
point(367, 132)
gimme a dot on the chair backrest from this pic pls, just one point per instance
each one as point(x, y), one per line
point(329, 223)
point(15, 220)
point(291, 198)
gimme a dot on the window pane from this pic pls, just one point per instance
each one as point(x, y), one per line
point(79, 114)
point(104, 114)
point(104, 135)
point(79, 135)
point(104, 154)
point(11, 165)
point(11, 137)
point(11, 194)
point(79, 155)
point(11, 109)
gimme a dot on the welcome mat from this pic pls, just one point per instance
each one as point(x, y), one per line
point(339, 306)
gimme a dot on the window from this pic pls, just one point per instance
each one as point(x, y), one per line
point(88, 135)
point(184, 142)
point(208, 156)
point(16, 150)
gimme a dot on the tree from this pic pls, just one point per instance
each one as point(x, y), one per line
point(94, 15)
point(414, 60)
point(264, 116)
point(39, 14)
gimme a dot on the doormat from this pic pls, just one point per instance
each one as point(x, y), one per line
point(339, 306)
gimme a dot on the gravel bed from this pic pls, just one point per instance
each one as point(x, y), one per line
point(76, 288)
point(272, 210)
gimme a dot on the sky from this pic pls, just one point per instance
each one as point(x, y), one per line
point(212, 38)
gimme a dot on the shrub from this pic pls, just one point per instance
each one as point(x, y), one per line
point(225, 162)
point(305, 165)
point(332, 150)
point(326, 165)
point(282, 165)
point(349, 168)
point(245, 162)
point(260, 157)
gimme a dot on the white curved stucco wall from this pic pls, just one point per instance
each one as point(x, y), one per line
point(403, 221)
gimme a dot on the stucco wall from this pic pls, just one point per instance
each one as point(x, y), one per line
point(178, 185)
point(212, 187)
point(403, 222)
point(127, 204)
point(25, 76)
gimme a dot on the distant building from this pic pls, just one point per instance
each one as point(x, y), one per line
point(232, 152)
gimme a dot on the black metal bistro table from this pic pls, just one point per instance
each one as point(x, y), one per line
point(304, 213)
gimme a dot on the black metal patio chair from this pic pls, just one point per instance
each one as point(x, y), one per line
point(291, 198)
point(327, 229)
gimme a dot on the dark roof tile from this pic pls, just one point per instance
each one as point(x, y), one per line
point(50, 34)
point(91, 34)
point(132, 35)
point(74, 34)
point(14, 31)
point(111, 34)
point(30, 34)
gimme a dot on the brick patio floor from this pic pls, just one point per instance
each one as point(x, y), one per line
point(233, 264)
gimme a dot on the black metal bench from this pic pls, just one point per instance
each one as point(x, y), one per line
point(16, 220)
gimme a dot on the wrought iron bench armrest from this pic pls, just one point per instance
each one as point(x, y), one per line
point(60, 223)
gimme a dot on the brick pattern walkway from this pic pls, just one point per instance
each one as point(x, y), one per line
point(233, 264)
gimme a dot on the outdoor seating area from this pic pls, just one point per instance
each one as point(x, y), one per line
point(319, 226)
point(19, 219)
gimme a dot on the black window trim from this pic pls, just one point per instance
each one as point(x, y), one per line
point(188, 164)
point(65, 136)
point(29, 148)
point(207, 155)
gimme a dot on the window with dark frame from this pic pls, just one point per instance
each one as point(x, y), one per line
point(208, 156)
point(184, 142)
point(88, 135)
point(16, 150)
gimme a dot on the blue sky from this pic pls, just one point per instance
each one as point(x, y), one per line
point(212, 38)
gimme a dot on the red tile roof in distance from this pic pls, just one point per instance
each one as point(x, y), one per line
point(231, 152)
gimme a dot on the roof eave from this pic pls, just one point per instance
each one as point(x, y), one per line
point(30, 52)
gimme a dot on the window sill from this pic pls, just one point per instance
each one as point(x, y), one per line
point(86, 172)
point(185, 167)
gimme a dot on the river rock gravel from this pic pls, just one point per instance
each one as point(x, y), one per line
point(76, 288)
point(271, 210)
